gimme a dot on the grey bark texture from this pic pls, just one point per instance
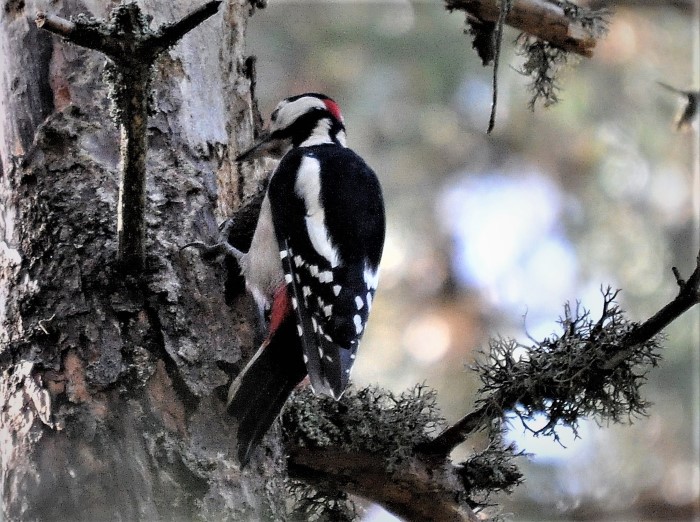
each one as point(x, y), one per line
point(112, 388)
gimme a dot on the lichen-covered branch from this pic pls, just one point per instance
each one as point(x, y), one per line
point(594, 368)
point(370, 420)
point(551, 32)
point(365, 444)
point(417, 490)
point(369, 444)
point(560, 23)
point(127, 39)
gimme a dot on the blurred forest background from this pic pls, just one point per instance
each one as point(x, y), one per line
point(491, 235)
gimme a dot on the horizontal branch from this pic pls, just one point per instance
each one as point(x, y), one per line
point(415, 491)
point(85, 36)
point(54, 24)
point(545, 19)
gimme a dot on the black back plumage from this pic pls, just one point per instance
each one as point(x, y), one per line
point(332, 303)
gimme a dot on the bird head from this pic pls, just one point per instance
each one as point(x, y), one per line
point(300, 121)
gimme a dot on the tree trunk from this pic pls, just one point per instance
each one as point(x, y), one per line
point(113, 388)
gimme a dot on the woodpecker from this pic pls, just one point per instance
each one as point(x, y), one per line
point(312, 264)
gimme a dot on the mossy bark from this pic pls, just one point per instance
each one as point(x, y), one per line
point(112, 387)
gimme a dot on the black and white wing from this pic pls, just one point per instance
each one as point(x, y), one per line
point(330, 236)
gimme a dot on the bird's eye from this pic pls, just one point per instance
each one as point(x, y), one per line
point(273, 116)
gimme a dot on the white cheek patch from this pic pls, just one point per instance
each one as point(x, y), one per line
point(308, 188)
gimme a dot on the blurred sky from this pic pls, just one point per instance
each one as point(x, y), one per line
point(491, 235)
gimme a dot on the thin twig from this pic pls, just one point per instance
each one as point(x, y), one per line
point(688, 296)
point(505, 9)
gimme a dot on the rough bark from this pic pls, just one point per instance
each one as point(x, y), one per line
point(111, 386)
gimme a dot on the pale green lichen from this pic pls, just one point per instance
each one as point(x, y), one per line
point(565, 376)
point(371, 420)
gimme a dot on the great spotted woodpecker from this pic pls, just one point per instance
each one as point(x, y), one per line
point(312, 263)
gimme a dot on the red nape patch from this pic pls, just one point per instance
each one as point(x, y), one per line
point(334, 109)
point(281, 308)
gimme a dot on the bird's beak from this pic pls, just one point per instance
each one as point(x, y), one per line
point(267, 145)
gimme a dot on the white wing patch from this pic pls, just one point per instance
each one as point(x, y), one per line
point(358, 324)
point(371, 278)
point(308, 187)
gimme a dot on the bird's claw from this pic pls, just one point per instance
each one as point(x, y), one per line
point(222, 247)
